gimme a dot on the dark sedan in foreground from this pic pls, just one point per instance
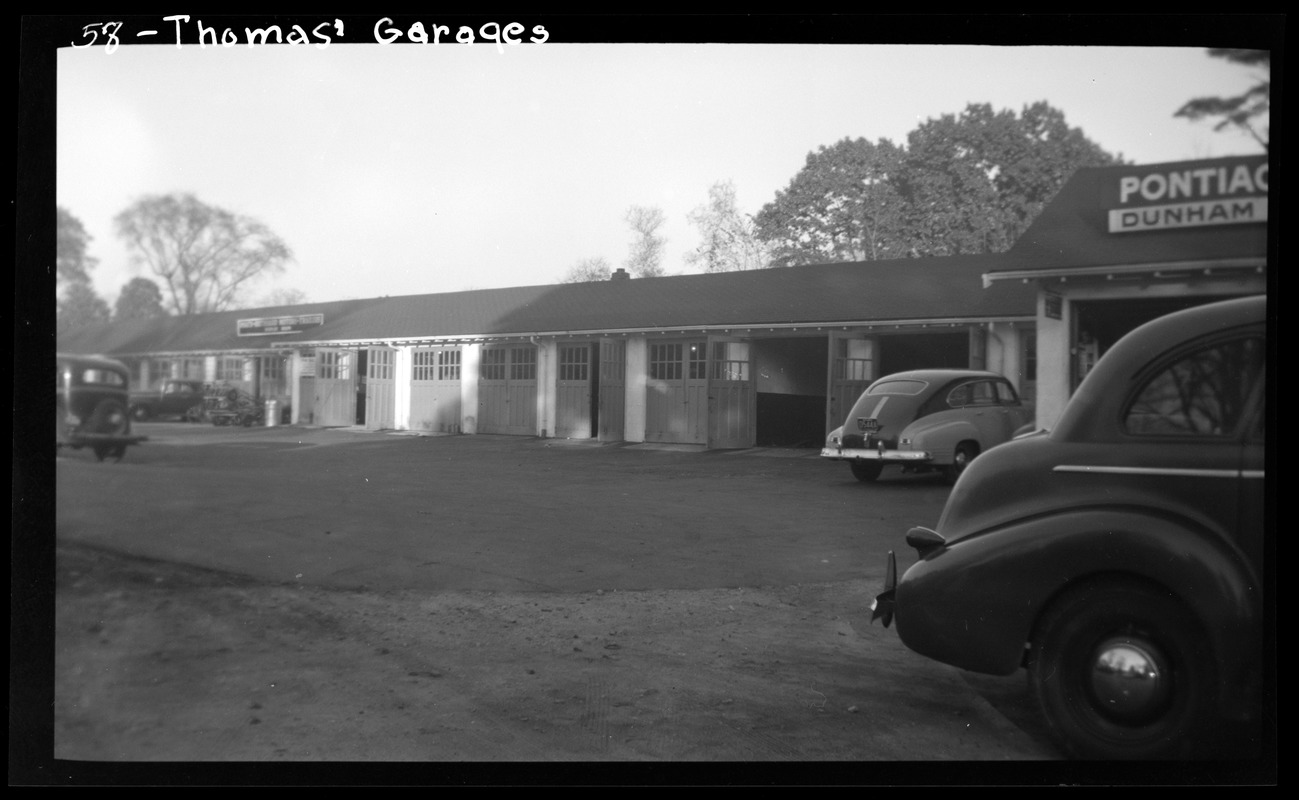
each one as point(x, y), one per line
point(1119, 557)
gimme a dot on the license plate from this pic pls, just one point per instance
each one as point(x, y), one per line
point(868, 425)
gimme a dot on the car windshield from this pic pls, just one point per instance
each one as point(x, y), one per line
point(899, 387)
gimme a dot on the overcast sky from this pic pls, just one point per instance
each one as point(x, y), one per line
point(407, 169)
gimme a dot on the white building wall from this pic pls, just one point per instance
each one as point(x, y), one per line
point(295, 387)
point(402, 371)
point(470, 358)
point(547, 387)
point(1003, 351)
point(636, 382)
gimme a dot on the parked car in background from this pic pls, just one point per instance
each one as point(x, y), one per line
point(91, 396)
point(1119, 557)
point(932, 419)
point(172, 398)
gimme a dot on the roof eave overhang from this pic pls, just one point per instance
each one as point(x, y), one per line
point(679, 330)
point(1162, 269)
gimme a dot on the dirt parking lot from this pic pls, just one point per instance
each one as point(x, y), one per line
point(499, 609)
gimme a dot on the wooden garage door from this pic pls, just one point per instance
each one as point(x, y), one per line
point(380, 389)
point(507, 390)
point(852, 369)
point(334, 400)
point(676, 403)
point(731, 399)
point(575, 392)
point(613, 390)
point(435, 390)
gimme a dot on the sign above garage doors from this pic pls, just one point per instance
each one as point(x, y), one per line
point(263, 326)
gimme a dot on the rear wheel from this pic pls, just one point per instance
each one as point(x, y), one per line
point(965, 453)
point(1121, 670)
point(140, 413)
point(109, 417)
point(866, 471)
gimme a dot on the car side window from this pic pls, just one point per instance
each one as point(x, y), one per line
point(983, 393)
point(1006, 394)
point(1205, 393)
point(960, 396)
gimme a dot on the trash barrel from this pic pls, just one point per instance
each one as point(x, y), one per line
point(272, 414)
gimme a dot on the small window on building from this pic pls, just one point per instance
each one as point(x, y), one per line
point(449, 365)
point(698, 360)
point(665, 362)
point(230, 369)
point(160, 369)
point(272, 368)
point(574, 363)
point(334, 365)
point(492, 366)
point(731, 361)
point(523, 364)
point(423, 365)
point(380, 366)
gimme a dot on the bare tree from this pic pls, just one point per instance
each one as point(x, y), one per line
point(730, 238)
point(588, 270)
point(204, 256)
point(647, 248)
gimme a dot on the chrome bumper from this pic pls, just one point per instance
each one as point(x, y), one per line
point(869, 454)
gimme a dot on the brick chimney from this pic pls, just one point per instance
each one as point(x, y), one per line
point(620, 274)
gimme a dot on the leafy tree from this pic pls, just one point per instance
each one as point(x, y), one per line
point(968, 183)
point(80, 306)
point(841, 206)
point(1244, 110)
point(140, 298)
point(647, 248)
point(71, 242)
point(730, 238)
point(204, 256)
point(588, 270)
point(972, 183)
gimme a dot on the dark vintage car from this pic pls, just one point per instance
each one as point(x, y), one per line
point(931, 419)
point(173, 398)
point(1119, 556)
point(91, 396)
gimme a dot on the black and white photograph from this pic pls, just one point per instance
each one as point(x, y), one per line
point(554, 399)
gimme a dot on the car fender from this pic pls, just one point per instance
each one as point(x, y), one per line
point(974, 602)
point(939, 436)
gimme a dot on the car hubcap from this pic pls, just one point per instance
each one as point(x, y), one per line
point(1129, 679)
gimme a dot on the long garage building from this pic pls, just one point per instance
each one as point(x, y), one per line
point(762, 358)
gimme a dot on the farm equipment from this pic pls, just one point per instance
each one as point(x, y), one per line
point(227, 405)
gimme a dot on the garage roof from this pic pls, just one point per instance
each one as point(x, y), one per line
point(931, 289)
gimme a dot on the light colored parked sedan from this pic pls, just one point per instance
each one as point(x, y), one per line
point(930, 419)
